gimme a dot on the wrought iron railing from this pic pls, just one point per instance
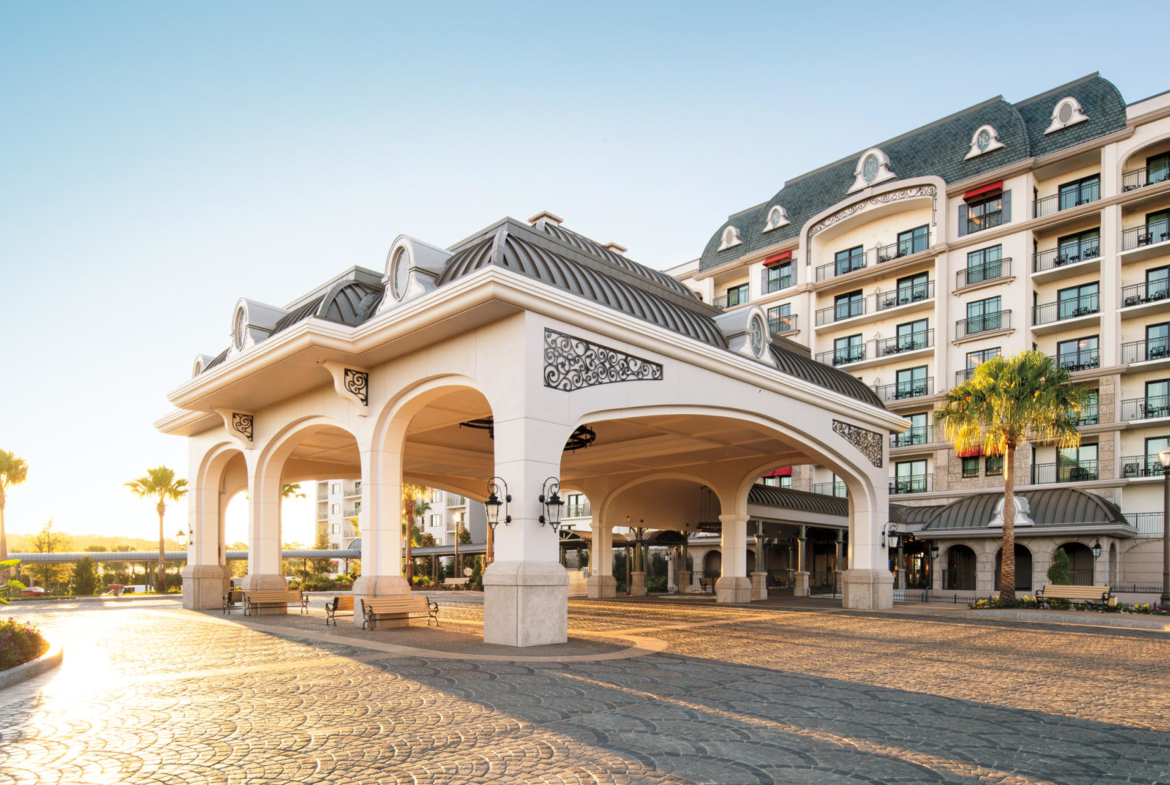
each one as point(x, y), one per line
point(842, 267)
point(1147, 175)
point(914, 436)
point(824, 582)
point(916, 483)
point(1145, 351)
point(1078, 360)
point(1085, 305)
point(1151, 407)
point(322, 496)
point(1152, 233)
point(837, 489)
point(988, 322)
point(1141, 466)
point(1059, 257)
point(845, 309)
point(1146, 292)
point(353, 511)
point(986, 221)
point(851, 354)
point(906, 247)
point(1089, 415)
point(1050, 205)
point(775, 283)
point(984, 271)
point(1081, 577)
point(923, 339)
point(1083, 471)
point(354, 490)
point(782, 324)
point(725, 301)
point(1145, 522)
point(903, 295)
point(456, 501)
point(900, 391)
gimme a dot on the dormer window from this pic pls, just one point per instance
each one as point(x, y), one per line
point(1066, 112)
point(984, 140)
point(238, 330)
point(873, 167)
point(777, 217)
point(730, 238)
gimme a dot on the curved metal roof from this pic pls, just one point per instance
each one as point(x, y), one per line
point(350, 302)
point(629, 265)
point(802, 367)
point(1048, 507)
point(789, 499)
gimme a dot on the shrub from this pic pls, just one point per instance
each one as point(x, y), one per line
point(1061, 566)
point(84, 577)
point(19, 643)
point(656, 584)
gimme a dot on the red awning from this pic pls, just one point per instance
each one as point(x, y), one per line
point(785, 472)
point(778, 258)
point(970, 452)
point(986, 190)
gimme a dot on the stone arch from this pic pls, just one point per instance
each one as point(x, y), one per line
point(961, 565)
point(221, 474)
point(1083, 563)
point(1024, 562)
point(1137, 148)
point(712, 563)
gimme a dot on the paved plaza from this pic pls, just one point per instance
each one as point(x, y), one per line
point(644, 692)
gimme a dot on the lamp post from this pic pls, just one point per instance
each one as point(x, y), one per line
point(933, 559)
point(1164, 600)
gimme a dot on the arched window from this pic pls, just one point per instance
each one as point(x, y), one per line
point(777, 217)
point(1023, 568)
point(730, 238)
point(959, 574)
point(1066, 112)
point(984, 140)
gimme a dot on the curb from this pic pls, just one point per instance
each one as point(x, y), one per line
point(33, 668)
point(1058, 617)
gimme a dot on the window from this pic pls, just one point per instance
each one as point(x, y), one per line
point(913, 241)
point(910, 477)
point(1078, 300)
point(848, 350)
point(1157, 403)
point(985, 214)
point(335, 508)
point(786, 482)
point(1153, 447)
point(848, 305)
point(773, 482)
point(1077, 463)
point(737, 295)
point(1158, 283)
point(778, 277)
point(730, 238)
point(1089, 414)
point(848, 261)
point(1078, 192)
point(335, 528)
point(1078, 247)
point(777, 217)
point(913, 288)
point(913, 335)
point(984, 265)
point(436, 521)
point(1157, 341)
point(983, 315)
point(780, 318)
point(911, 383)
point(915, 434)
point(970, 468)
point(977, 358)
point(1158, 227)
point(1157, 168)
point(1078, 355)
point(993, 466)
point(336, 487)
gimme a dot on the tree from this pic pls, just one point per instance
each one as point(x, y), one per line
point(412, 497)
point(13, 472)
point(49, 541)
point(321, 566)
point(1007, 402)
point(291, 490)
point(84, 577)
point(1061, 566)
point(160, 484)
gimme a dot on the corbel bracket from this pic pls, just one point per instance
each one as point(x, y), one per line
point(351, 383)
point(239, 426)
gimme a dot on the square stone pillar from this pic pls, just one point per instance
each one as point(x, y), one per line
point(601, 582)
point(733, 586)
point(868, 583)
point(684, 581)
point(759, 585)
point(638, 584)
point(800, 583)
point(264, 546)
point(380, 522)
point(206, 578)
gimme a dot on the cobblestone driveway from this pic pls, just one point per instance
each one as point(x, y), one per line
point(153, 694)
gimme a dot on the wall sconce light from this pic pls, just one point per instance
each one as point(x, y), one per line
point(934, 551)
point(550, 499)
point(1097, 549)
point(494, 503)
point(890, 537)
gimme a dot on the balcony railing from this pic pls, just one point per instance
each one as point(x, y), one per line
point(1079, 360)
point(456, 501)
point(837, 489)
point(846, 309)
point(1141, 466)
point(1151, 234)
point(923, 339)
point(1059, 257)
point(900, 391)
point(903, 295)
point(584, 510)
point(769, 284)
point(322, 496)
point(1149, 408)
point(1085, 305)
point(1050, 205)
point(354, 511)
point(906, 247)
point(782, 324)
point(354, 490)
point(1043, 473)
point(988, 221)
point(915, 483)
point(1147, 292)
point(914, 436)
point(1148, 175)
point(725, 301)
point(1090, 415)
point(843, 267)
point(986, 271)
point(1145, 351)
point(987, 323)
point(851, 354)
point(1146, 522)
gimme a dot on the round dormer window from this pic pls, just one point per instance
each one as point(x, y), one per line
point(756, 335)
point(238, 330)
point(1065, 112)
point(400, 273)
point(869, 169)
point(983, 140)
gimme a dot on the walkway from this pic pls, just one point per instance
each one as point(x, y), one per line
point(152, 693)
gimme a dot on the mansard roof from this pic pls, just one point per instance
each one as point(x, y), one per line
point(1048, 507)
point(938, 149)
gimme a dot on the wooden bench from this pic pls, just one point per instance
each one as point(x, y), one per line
point(335, 606)
point(233, 600)
point(398, 610)
point(1090, 594)
point(256, 601)
point(452, 582)
point(707, 584)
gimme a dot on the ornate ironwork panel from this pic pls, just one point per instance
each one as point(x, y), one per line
point(358, 383)
point(868, 442)
point(242, 424)
point(572, 363)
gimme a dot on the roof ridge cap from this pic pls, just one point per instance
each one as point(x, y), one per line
point(1058, 88)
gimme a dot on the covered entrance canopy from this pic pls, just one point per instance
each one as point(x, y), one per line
point(524, 358)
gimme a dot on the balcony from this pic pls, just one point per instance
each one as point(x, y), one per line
point(456, 501)
point(1058, 258)
point(1150, 350)
point(988, 221)
point(1153, 407)
point(354, 490)
point(353, 511)
point(902, 248)
point(1152, 233)
point(901, 391)
point(1140, 178)
point(322, 496)
point(1146, 523)
point(915, 436)
point(725, 301)
point(770, 283)
point(916, 297)
point(987, 323)
point(883, 254)
point(1089, 416)
point(845, 356)
point(778, 325)
point(982, 273)
point(1045, 473)
point(578, 510)
point(1080, 360)
point(903, 295)
point(837, 489)
point(915, 483)
point(1051, 205)
point(836, 269)
point(923, 339)
point(1137, 466)
point(1066, 310)
point(846, 309)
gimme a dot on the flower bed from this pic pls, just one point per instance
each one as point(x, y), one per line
point(1146, 609)
point(19, 643)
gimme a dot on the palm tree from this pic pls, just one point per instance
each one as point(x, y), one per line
point(1006, 403)
point(13, 471)
point(412, 496)
point(291, 490)
point(159, 484)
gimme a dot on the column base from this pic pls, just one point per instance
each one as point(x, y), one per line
point(369, 586)
point(800, 584)
point(525, 603)
point(637, 584)
point(759, 586)
point(684, 581)
point(578, 583)
point(733, 590)
point(867, 589)
point(600, 587)
point(264, 583)
point(204, 586)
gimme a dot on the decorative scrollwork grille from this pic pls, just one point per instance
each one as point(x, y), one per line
point(358, 383)
point(868, 442)
point(573, 363)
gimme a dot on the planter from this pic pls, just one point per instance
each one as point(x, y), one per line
point(46, 662)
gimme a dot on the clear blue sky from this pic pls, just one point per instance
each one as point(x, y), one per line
point(159, 160)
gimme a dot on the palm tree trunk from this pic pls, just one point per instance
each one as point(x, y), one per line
point(1007, 571)
point(3, 534)
point(161, 578)
point(409, 556)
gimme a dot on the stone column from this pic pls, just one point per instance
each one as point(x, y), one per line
point(684, 573)
point(638, 583)
point(601, 582)
point(867, 583)
point(801, 576)
point(380, 522)
point(205, 576)
point(760, 576)
point(733, 585)
point(264, 546)
point(526, 589)
point(839, 566)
